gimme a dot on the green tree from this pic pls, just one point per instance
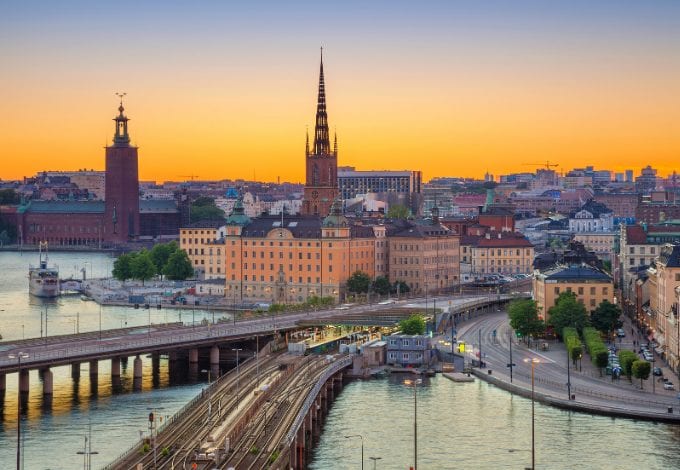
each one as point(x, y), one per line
point(607, 265)
point(381, 285)
point(523, 315)
point(641, 370)
point(160, 254)
point(567, 311)
point(398, 211)
point(358, 282)
point(9, 196)
point(606, 317)
point(204, 208)
point(626, 359)
point(413, 325)
point(122, 269)
point(400, 287)
point(142, 266)
point(178, 266)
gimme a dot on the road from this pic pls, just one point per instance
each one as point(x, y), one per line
point(551, 371)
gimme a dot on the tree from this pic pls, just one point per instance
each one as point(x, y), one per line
point(400, 287)
point(413, 325)
point(142, 266)
point(641, 370)
point(178, 267)
point(9, 196)
point(605, 317)
point(358, 282)
point(122, 269)
point(160, 254)
point(398, 211)
point(607, 266)
point(626, 359)
point(204, 208)
point(567, 311)
point(523, 315)
point(381, 285)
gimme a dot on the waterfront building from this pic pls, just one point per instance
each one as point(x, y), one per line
point(117, 220)
point(203, 242)
point(591, 286)
point(664, 279)
point(424, 255)
point(408, 350)
point(291, 258)
point(321, 183)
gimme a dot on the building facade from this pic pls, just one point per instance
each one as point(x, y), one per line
point(497, 253)
point(204, 244)
point(352, 183)
point(664, 280)
point(590, 285)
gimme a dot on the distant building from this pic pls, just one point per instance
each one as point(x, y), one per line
point(591, 286)
point(646, 182)
point(639, 245)
point(622, 205)
point(353, 183)
point(592, 217)
point(496, 253)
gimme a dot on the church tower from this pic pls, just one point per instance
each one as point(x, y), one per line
point(121, 216)
point(321, 185)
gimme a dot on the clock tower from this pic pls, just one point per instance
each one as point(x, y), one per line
point(321, 185)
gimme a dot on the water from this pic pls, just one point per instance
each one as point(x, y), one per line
point(475, 425)
point(54, 433)
point(460, 425)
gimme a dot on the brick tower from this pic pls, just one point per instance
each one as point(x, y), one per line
point(121, 217)
point(321, 185)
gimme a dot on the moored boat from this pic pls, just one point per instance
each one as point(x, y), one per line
point(43, 280)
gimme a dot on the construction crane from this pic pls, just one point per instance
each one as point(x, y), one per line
point(547, 164)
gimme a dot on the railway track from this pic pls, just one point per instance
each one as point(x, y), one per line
point(259, 446)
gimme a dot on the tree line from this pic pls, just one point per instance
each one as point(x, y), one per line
point(360, 283)
point(164, 259)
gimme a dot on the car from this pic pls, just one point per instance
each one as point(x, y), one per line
point(620, 333)
point(386, 302)
point(668, 386)
point(657, 371)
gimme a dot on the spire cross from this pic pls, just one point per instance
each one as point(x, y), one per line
point(121, 95)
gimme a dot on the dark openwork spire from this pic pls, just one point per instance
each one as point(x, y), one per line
point(322, 144)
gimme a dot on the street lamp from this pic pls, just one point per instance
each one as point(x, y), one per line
point(533, 363)
point(19, 356)
point(414, 384)
point(362, 447)
point(238, 375)
point(374, 459)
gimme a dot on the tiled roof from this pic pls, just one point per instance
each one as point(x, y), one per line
point(507, 240)
point(670, 256)
point(66, 207)
point(584, 272)
point(635, 235)
point(423, 230)
point(214, 224)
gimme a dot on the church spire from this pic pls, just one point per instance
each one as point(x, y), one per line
point(335, 144)
point(322, 144)
point(121, 137)
point(307, 141)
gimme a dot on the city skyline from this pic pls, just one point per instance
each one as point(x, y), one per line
point(454, 90)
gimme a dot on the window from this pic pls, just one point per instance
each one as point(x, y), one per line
point(557, 291)
point(592, 291)
point(631, 250)
point(580, 291)
point(605, 291)
point(592, 302)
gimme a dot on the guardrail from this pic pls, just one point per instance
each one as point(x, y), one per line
point(311, 396)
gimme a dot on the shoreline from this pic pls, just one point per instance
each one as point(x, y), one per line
point(573, 405)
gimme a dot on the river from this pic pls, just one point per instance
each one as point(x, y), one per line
point(460, 425)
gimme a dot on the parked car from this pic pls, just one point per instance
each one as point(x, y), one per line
point(620, 333)
point(648, 357)
point(668, 386)
point(657, 371)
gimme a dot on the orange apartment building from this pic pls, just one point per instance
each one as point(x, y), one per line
point(204, 244)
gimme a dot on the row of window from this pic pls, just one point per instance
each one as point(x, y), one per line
point(34, 228)
point(490, 252)
point(416, 356)
point(652, 250)
point(581, 290)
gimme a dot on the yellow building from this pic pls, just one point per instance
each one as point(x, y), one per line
point(664, 280)
point(502, 253)
point(204, 244)
point(590, 285)
point(290, 258)
point(601, 243)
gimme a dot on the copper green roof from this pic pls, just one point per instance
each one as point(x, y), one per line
point(238, 215)
point(64, 207)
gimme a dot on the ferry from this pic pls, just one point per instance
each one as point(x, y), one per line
point(43, 281)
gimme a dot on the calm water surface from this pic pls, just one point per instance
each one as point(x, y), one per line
point(53, 433)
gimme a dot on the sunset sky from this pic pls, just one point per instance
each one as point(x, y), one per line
point(226, 89)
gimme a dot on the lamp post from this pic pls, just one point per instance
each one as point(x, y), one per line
point(87, 451)
point(238, 375)
point(414, 384)
point(533, 363)
point(19, 356)
point(569, 377)
point(375, 459)
point(362, 447)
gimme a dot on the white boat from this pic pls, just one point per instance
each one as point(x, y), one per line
point(43, 281)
